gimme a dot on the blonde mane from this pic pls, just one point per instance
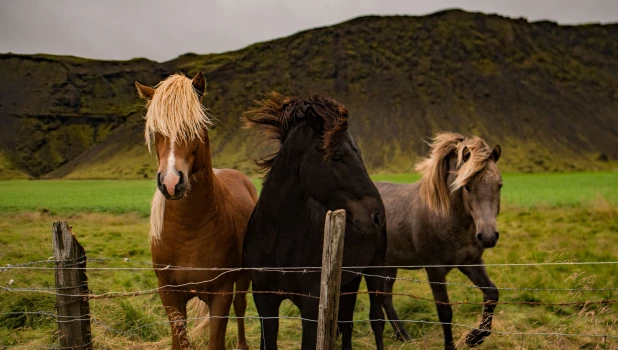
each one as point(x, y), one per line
point(157, 214)
point(433, 190)
point(175, 111)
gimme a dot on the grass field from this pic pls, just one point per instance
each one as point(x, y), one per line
point(123, 196)
point(546, 218)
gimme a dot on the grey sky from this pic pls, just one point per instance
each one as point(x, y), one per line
point(162, 30)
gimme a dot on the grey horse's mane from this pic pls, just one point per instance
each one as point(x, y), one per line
point(473, 154)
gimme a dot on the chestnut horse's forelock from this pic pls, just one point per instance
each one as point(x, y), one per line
point(175, 111)
point(433, 188)
point(274, 114)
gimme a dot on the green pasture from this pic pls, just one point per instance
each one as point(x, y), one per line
point(124, 196)
point(545, 218)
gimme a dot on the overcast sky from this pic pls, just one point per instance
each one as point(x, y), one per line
point(162, 30)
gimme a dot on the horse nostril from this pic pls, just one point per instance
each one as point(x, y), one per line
point(182, 178)
point(158, 179)
point(377, 219)
point(497, 235)
point(479, 236)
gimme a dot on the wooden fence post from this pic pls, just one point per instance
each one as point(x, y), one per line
point(71, 282)
point(332, 259)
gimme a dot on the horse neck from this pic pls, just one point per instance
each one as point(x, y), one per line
point(204, 196)
point(459, 216)
point(282, 191)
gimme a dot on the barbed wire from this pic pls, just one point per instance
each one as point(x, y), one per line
point(153, 290)
point(484, 287)
point(71, 264)
point(133, 330)
point(165, 289)
point(84, 317)
point(32, 289)
point(160, 267)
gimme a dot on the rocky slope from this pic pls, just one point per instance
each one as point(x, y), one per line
point(547, 93)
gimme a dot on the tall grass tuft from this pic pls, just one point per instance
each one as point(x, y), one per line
point(141, 324)
point(17, 315)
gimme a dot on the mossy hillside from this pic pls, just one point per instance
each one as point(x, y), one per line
point(8, 170)
point(56, 107)
point(546, 93)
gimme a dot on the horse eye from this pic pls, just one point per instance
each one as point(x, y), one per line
point(500, 186)
point(336, 157)
point(467, 188)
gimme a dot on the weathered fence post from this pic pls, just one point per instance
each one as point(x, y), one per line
point(71, 282)
point(332, 259)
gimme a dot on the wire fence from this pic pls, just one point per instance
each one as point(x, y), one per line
point(42, 266)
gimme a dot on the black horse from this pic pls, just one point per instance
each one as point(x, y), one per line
point(317, 167)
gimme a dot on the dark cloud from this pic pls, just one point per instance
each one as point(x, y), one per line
point(123, 29)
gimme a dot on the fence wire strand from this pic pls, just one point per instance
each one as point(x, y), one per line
point(160, 267)
point(73, 264)
point(133, 330)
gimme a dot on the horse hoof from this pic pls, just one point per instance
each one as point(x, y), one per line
point(477, 337)
point(403, 336)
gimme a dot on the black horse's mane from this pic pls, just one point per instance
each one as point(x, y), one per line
point(277, 114)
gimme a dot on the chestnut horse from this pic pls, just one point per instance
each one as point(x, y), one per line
point(198, 215)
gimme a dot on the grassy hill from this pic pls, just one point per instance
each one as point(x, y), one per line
point(547, 93)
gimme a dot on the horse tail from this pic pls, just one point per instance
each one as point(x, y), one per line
point(198, 311)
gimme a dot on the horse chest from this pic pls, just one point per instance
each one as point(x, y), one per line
point(203, 249)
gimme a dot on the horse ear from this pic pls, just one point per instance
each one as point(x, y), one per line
point(495, 153)
point(465, 154)
point(313, 119)
point(199, 84)
point(145, 92)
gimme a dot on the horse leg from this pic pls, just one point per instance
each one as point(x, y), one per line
point(309, 313)
point(400, 331)
point(478, 276)
point(437, 279)
point(268, 309)
point(346, 312)
point(376, 300)
point(240, 306)
point(175, 305)
point(219, 315)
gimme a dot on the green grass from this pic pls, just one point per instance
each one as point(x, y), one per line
point(550, 217)
point(552, 189)
point(110, 196)
point(528, 235)
point(124, 196)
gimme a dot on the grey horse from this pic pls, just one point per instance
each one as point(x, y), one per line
point(447, 218)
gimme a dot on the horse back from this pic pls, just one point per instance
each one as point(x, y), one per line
point(240, 187)
point(400, 203)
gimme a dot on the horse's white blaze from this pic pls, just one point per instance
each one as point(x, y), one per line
point(171, 158)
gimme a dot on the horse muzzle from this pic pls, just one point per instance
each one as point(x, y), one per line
point(367, 216)
point(488, 240)
point(172, 185)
